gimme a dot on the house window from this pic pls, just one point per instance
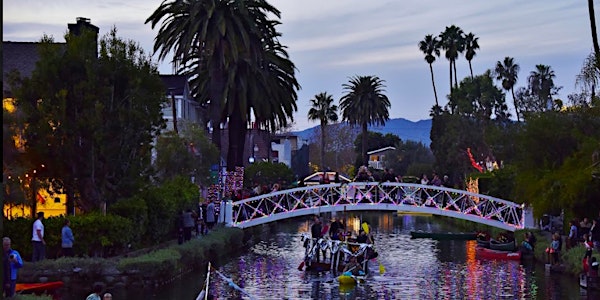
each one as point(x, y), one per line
point(56, 200)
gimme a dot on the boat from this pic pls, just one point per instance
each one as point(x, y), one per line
point(38, 287)
point(486, 253)
point(483, 243)
point(588, 282)
point(443, 235)
point(497, 245)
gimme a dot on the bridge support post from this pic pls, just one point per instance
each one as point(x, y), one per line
point(226, 215)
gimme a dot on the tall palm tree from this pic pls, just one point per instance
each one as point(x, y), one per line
point(452, 41)
point(541, 83)
point(430, 46)
point(365, 104)
point(471, 45)
point(231, 49)
point(323, 110)
point(508, 72)
point(213, 32)
point(594, 32)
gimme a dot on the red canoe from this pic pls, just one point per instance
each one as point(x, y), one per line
point(38, 287)
point(497, 254)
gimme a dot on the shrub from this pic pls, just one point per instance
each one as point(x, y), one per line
point(158, 264)
point(136, 210)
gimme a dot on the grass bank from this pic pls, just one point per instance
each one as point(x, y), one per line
point(150, 269)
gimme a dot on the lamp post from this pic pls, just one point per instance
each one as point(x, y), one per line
point(252, 158)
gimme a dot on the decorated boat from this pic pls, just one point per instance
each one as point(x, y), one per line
point(486, 253)
point(338, 252)
point(443, 235)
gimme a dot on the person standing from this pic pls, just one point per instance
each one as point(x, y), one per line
point(210, 214)
point(37, 239)
point(67, 239)
point(572, 239)
point(188, 224)
point(11, 262)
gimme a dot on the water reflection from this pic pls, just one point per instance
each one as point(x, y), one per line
point(415, 269)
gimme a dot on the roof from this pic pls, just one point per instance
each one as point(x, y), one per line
point(174, 83)
point(18, 57)
point(381, 150)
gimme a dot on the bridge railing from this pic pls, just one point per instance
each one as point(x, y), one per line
point(374, 195)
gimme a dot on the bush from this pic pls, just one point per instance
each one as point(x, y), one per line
point(164, 203)
point(136, 210)
point(158, 264)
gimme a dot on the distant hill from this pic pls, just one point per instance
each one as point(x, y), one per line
point(405, 129)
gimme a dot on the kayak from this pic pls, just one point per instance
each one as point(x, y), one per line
point(38, 287)
point(497, 254)
point(443, 235)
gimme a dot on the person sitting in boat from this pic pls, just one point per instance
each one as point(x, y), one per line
point(363, 238)
point(353, 267)
point(531, 239)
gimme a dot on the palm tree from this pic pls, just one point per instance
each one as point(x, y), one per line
point(324, 111)
point(508, 72)
point(541, 83)
point(452, 41)
point(365, 104)
point(430, 46)
point(594, 33)
point(471, 44)
point(213, 33)
point(238, 67)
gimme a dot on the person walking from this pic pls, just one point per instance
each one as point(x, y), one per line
point(188, 224)
point(67, 239)
point(11, 262)
point(37, 239)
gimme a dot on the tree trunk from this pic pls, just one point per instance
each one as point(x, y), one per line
point(512, 90)
point(237, 140)
point(471, 69)
point(365, 134)
point(216, 95)
point(450, 77)
point(455, 77)
point(594, 33)
point(173, 103)
point(323, 146)
point(433, 83)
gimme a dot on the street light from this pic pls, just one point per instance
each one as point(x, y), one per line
point(251, 159)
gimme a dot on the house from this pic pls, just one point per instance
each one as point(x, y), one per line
point(180, 102)
point(376, 157)
point(291, 150)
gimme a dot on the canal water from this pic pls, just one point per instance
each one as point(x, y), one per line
point(413, 269)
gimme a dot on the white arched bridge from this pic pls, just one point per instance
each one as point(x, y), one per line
point(357, 196)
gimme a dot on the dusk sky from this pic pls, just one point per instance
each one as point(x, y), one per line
point(331, 40)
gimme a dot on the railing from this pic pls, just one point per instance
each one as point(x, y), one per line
point(375, 196)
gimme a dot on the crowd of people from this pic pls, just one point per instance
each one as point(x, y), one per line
point(200, 220)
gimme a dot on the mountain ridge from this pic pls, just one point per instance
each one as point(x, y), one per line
point(417, 131)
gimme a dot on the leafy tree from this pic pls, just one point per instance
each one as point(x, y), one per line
point(266, 173)
point(471, 45)
point(508, 72)
point(479, 98)
point(452, 41)
point(91, 120)
point(410, 155)
point(430, 46)
point(376, 140)
point(323, 110)
point(554, 171)
point(340, 149)
point(365, 104)
point(588, 78)
point(190, 154)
